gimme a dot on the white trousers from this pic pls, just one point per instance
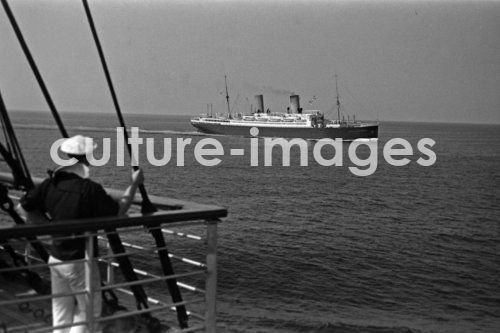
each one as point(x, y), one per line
point(67, 278)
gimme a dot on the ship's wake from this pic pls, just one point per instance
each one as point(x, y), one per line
point(105, 129)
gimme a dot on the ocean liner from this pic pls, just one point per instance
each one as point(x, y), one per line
point(295, 123)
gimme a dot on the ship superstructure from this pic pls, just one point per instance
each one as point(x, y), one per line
point(294, 123)
point(304, 126)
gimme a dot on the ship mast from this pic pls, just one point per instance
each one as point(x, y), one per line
point(227, 98)
point(338, 100)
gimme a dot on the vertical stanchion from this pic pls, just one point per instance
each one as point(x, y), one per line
point(110, 272)
point(89, 286)
point(211, 281)
point(27, 253)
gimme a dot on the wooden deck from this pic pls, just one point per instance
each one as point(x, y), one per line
point(18, 317)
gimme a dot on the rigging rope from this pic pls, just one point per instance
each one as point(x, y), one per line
point(20, 172)
point(34, 68)
point(13, 154)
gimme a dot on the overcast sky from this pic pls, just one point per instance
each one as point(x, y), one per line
point(396, 60)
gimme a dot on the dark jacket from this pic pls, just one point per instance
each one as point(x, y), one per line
point(67, 196)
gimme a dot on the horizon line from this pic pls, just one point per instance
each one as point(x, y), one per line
point(196, 114)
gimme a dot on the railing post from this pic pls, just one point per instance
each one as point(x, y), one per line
point(110, 272)
point(211, 281)
point(89, 286)
point(27, 253)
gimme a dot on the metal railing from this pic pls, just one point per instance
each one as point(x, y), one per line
point(199, 289)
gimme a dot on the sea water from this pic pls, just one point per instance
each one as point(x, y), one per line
point(318, 249)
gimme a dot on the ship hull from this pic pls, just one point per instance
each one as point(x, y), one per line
point(345, 133)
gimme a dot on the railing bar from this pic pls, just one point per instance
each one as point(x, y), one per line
point(99, 233)
point(150, 310)
point(141, 272)
point(138, 271)
point(2, 270)
point(180, 284)
point(149, 249)
point(189, 261)
point(189, 287)
point(27, 326)
point(137, 247)
point(32, 328)
point(111, 256)
point(172, 224)
point(152, 250)
point(50, 328)
point(128, 292)
point(101, 258)
point(40, 298)
point(151, 280)
point(181, 234)
point(74, 236)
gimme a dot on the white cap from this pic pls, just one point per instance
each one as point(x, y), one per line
point(78, 145)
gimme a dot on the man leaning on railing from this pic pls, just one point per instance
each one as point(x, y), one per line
point(70, 194)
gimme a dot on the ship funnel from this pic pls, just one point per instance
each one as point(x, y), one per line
point(259, 99)
point(295, 104)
